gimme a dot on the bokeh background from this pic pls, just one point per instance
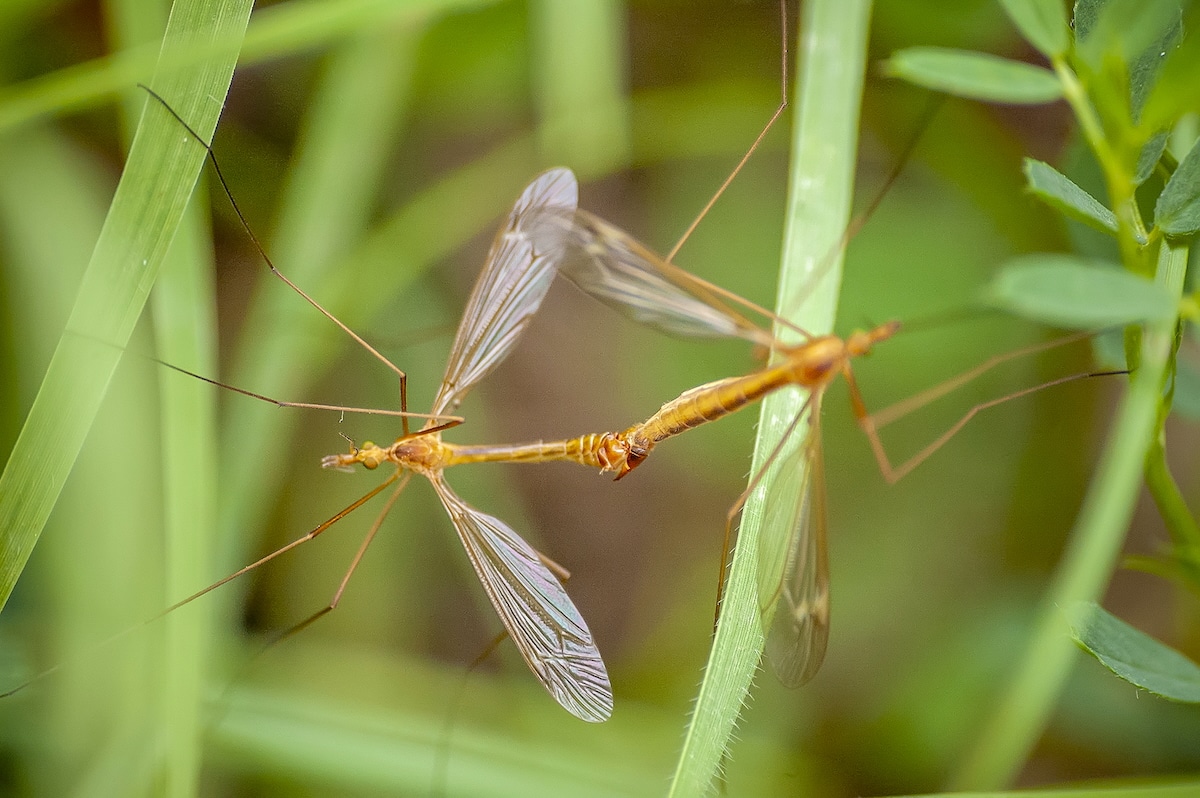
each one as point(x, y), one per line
point(935, 579)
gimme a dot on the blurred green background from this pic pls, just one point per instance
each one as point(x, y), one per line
point(374, 157)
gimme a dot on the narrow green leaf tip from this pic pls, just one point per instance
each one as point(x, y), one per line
point(1177, 212)
point(1060, 192)
point(974, 75)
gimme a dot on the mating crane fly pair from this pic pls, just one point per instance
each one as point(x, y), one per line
point(545, 233)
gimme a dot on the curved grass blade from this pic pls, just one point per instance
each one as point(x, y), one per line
point(148, 205)
point(832, 64)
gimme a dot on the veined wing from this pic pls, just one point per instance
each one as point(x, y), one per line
point(797, 585)
point(537, 612)
point(615, 268)
point(514, 281)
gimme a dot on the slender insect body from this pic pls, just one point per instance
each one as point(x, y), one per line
point(425, 452)
point(593, 450)
point(811, 365)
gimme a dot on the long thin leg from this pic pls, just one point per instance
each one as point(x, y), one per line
point(893, 474)
point(445, 422)
point(288, 547)
point(267, 258)
point(333, 604)
point(897, 411)
point(783, 102)
point(323, 526)
point(562, 573)
point(362, 549)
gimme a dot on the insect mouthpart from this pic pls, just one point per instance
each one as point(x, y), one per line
point(369, 455)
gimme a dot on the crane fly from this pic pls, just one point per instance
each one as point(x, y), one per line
point(612, 266)
point(616, 269)
point(543, 228)
point(536, 611)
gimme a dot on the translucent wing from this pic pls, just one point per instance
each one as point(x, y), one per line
point(615, 268)
point(537, 612)
point(797, 586)
point(511, 287)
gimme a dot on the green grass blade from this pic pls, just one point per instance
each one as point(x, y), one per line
point(832, 64)
point(145, 211)
point(184, 306)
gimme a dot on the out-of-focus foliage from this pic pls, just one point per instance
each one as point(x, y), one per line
point(1106, 70)
point(373, 148)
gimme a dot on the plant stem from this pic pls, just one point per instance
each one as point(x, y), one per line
point(1087, 565)
point(833, 53)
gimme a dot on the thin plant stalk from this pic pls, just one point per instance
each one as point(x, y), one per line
point(832, 59)
point(1092, 554)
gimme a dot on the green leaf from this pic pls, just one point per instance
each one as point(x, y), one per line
point(977, 76)
point(1133, 655)
point(1149, 156)
point(1071, 292)
point(1186, 399)
point(1176, 91)
point(1177, 211)
point(1042, 23)
point(1139, 33)
point(1058, 191)
point(833, 66)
